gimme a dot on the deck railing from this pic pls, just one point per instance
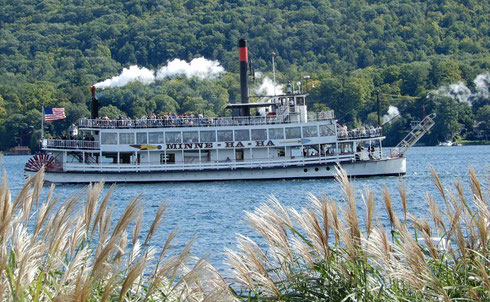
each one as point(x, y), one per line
point(215, 165)
point(182, 121)
point(72, 144)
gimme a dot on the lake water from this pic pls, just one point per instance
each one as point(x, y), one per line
point(213, 212)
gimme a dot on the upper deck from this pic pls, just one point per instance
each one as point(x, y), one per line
point(172, 121)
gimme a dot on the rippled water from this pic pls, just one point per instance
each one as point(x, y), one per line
point(214, 211)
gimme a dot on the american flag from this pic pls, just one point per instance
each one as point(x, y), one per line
point(53, 114)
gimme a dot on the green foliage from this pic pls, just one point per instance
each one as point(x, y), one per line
point(483, 117)
point(111, 112)
point(452, 117)
point(165, 103)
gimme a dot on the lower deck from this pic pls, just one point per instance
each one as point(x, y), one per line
point(390, 166)
point(150, 159)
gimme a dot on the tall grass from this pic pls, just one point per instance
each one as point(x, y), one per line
point(74, 250)
point(320, 253)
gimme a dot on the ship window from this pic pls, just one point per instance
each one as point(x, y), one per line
point(259, 134)
point(281, 151)
point(156, 137)
point(327, 149)
point(74, 157)
point(276, 133)
point(300, 101)
point(168, 158)
point(225, 135)
point(326, 131)
point(208, 136)
point(296, 152)
point(190, 137)
point(310, 131)
point(293, 132)
point(242, 135)
point(108, 138)
point(126, 138)
point(346, 148)
point(173, 137)
point(310, 150)
point(141, 138)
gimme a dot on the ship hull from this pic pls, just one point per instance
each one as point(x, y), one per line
point(384, 167)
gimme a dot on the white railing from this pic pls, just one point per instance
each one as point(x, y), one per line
point(72, 144)
point(182, 121)
point(255, 164)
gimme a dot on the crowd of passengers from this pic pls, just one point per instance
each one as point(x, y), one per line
point(364, 131)
point(72, 141)
point(167, 119)
point(194, 119)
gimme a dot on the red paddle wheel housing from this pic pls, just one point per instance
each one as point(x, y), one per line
point(36, 162)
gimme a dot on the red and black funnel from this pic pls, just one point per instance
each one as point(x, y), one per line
point(243, 56)
point(94, 109)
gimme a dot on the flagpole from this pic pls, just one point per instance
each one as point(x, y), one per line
point(42, 122)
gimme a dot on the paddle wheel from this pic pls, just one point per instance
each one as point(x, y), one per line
point(36, 162)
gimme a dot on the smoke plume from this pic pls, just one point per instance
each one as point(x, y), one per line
point(459, 92)
point(199, 67)
point(268, 88)
point(392, 113)
point(131, 74)
point(482, 83)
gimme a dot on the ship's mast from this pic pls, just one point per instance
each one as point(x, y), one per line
point(274, 72)
point(42, 122)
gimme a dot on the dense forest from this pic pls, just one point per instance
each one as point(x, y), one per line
point(416, 55)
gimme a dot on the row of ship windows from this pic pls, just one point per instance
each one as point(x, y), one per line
point(172, 137)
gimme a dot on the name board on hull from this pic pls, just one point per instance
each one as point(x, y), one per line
point(195, 146)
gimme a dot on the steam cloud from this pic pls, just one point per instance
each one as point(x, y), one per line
point(457, 91)
point(482, 84)
point(199, 67)
point(131, 74)
point(392, 113)
point(267, 87)
point(463, 94)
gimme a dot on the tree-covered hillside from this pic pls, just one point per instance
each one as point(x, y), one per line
point(53, 51)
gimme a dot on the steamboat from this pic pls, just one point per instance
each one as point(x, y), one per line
point(284, 141)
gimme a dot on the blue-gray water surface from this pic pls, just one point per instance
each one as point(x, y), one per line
point(213, 212)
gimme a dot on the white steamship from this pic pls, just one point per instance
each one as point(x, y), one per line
point(285, 142)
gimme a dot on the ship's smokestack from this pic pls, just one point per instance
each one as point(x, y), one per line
point(243, 56)
point(94, 109)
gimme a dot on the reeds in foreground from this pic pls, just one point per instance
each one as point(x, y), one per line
point(443, 257)
point(74, 253)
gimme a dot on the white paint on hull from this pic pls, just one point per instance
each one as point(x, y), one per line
point(393, 166)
